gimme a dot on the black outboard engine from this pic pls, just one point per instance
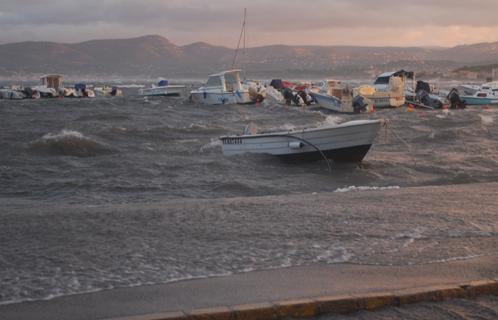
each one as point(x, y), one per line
point(288, 96)
point(359, 104)
point(455, 101)
point(28, 92)
point(424, 97)
point(422, 85)
point(304, 96)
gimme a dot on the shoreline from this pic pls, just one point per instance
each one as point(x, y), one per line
point(460, 203)
point(295, 287)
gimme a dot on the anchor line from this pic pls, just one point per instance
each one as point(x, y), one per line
point(309, 144)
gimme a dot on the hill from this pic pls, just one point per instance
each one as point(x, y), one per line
point(153, 56)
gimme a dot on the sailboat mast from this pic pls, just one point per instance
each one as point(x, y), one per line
point(242, 36)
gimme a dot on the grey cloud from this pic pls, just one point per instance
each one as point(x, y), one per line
point(187, 18)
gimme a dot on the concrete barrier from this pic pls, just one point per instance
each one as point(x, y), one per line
point(305, 308)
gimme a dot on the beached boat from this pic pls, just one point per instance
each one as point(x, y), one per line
point(346, 142)
point(338, 97)
point(222, 88)
point(163, 88)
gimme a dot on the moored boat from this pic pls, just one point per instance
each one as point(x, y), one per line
point(480, 99)
point(483, 95)
point(346, 142)
point(222, 88)
point(338, 97)
point(163, 88)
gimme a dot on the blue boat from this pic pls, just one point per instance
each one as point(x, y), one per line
point(480, 99)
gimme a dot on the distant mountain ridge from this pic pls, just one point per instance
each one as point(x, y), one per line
point(153, 56)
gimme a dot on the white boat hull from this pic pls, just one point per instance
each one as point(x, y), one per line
point(162, 91)
point(216, 98)
point(347, 142)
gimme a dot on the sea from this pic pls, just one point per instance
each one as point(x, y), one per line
point(93, 192)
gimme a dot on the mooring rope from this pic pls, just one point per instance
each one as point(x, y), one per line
point(309, 144)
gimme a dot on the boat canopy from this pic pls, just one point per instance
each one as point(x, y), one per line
point(162, 83)
point(52, 81)
point(227, 80)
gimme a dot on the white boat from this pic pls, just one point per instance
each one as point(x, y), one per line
point(11, 94)
point(479, 95)
point(338, 97)
point(163, 88)
point(222, 88)
point(107, 91)
point(388, 89)
point(50, 86)
point(346, 142)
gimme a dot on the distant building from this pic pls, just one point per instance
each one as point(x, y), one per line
point(467, 74)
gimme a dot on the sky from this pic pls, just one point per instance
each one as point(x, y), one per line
point(311, 22)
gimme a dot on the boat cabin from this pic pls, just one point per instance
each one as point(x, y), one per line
point(388, 80)
point(228, 81)
point(53, 81)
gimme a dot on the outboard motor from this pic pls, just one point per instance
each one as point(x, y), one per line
point(359, 104)
point(422, 85)
point(288, 96)
point(424, 97)
point(304, 96)
point(455, 101)
point(28, 92)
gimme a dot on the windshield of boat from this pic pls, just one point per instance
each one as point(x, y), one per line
point(214, 81)
point(382, 80)
point(232, 82)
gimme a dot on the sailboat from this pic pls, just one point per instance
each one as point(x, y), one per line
point(225, 87)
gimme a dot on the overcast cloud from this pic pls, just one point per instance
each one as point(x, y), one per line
point(321, 22)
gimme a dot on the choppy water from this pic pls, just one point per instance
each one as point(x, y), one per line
point(94, 191)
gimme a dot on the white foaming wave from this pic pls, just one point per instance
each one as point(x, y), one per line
point(365, 188)
point(487, 119)
point(63, 134)
point(334, 255)
point(331, 121)
point(132, 85)
point(214, 144)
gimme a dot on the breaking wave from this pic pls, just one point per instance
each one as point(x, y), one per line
point(364, 188)
point(69, 143)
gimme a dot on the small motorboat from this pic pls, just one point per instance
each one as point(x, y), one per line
point(338, 97)
point(163, 88)
point(345, 142)
point(11, 94)
point(223, 88)
point(107, 91)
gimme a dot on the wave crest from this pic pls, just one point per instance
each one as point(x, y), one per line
point(69, 143)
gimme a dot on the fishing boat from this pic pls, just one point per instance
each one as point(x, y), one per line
point(11, 94)
point(481, 98)
point(345, 142)
point(222, 88)
point(338, 97)
point(163, 88)
point(482, 95)
point(388, 89)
